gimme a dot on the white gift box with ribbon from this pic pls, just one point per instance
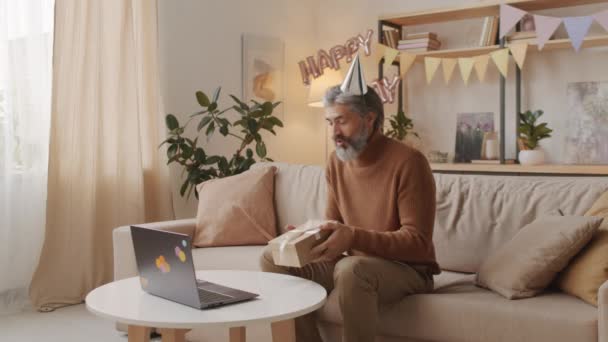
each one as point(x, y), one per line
point(293, 247)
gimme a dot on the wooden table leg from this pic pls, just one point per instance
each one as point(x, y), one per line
point(138, 333)
point(284, 331)
point(238, 334)
point(173, 335)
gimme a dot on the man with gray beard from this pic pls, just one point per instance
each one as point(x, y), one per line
point(381, 207)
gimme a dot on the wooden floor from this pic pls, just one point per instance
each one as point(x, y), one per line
point(76, 324)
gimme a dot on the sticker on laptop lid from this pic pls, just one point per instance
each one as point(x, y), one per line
point(180, 254)
point(184, 243)
point(143, 281)
point(162, 264)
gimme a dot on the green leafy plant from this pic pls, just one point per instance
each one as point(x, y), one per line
point(401, 126)
point(531, 133)
point(252, 120)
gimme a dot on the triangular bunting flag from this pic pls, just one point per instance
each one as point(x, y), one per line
point(509, 16)
point(501, 59)
point(545, 27)
point(602, 19)
point(481, 65)
point(377, 52)
point(448, 68)
point(431, 64)
point(519, 53)
point(577, 28)
point(406, 61)
point(466, 66)
point(389, 55)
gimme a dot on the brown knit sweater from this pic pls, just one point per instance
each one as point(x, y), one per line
point(388, 195)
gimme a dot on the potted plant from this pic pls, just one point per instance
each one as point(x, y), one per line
point(401, 126)
point(197, 163)
point(530, 134)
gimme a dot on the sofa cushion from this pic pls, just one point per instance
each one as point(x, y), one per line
point(236, 210)
point(478, 214)
point(460, 311)
point(300, 193)
point(589, 269)
point(525, 265)
point(244, 258)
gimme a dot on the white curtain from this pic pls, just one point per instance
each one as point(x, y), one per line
point(26, 41)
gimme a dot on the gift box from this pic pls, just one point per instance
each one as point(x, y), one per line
point(293, 247)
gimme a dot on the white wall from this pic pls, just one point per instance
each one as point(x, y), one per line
point(200, 44)
point(434, 107)
point(200, 48)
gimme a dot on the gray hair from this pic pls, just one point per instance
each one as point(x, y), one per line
point(362, 104)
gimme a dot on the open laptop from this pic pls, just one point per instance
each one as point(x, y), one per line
point(166, 269)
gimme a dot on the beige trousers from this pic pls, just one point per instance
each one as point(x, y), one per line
point(364, 284)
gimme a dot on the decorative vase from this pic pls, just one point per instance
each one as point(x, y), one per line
point(531, 157)
point(491, 149)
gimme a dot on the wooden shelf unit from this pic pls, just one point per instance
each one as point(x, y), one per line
point(555, 44)
point(588, 170)
point(484, 9)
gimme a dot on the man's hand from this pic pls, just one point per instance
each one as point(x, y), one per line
point(340, 240)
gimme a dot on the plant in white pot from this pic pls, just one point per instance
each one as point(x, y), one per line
point(401, 127)
point(530, 134)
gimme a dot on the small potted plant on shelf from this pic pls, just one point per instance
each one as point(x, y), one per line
point(530, 133)
point(401, 127)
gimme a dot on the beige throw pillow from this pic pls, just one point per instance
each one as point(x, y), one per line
point(526, 264)
point(589, 269)
point(237, 210)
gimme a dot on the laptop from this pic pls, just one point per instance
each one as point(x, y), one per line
point(166, 269)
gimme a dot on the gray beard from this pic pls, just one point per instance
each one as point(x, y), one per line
point(354, 147)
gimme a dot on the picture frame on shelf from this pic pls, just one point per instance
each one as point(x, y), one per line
point(470, 131)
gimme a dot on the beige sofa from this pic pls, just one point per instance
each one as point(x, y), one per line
point(475, 215)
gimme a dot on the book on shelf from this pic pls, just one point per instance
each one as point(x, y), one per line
point(433, 46)
point(520, 37)
point(489, 31)
point(419, 40)
point(424, 49)
point(493, 32)
point(492, 161)
point(391, 37)
point(427, 35)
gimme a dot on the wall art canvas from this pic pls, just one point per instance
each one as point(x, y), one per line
point(470, 129)
point(586, 135)
point(263, 69)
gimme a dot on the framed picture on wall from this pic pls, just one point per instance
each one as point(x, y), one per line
point(263, 69)
point(586, 129)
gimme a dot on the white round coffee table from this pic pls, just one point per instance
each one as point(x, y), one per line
point(282, 298)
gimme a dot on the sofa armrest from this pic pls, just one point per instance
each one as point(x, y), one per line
point(602, 306)
point(124, 256)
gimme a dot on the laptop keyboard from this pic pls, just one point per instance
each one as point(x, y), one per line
point(209, 296)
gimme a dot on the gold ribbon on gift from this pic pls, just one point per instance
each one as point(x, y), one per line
point(292, 235)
